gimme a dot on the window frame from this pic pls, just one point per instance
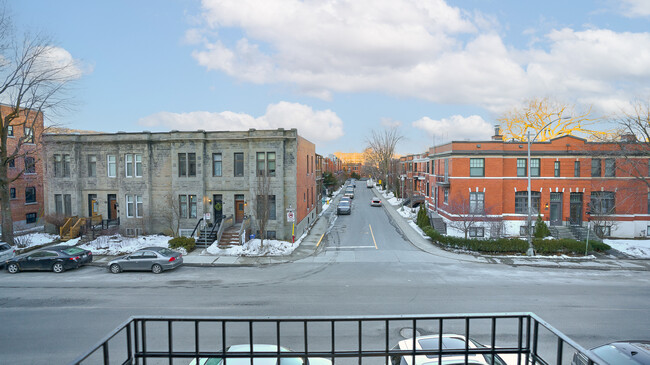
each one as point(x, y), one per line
point(137, 163)
point(576, 168)
point(29, 219)
point(602, 202)
point(270, 163)
point(30, 165)
point(260, 164)
point(535, 171)
point(67, 204)
point(596, 167)
point(520, 172)
point(217, 162)
point(445, 195)
point(111, 166)
point(556, 168)
point(10, 131)
point(521, 202)
point(473, 170)
point(33, 194)
point(476, 202)
point(58, 203)
point(12, 193)
point(139, 206)
point(128, 165)
point(28, 135)
point(473, 232)
point(92, 165)
point(610, 167)
point(238, 164)
point(130, 208)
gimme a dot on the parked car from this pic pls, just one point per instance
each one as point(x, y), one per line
point(156, 259)
point(261, 360)
point(6, 252)
point(344, 207)
point(85, 256)
point(346, 199)
point(349, 193)
point(375, 202)
point(44, 259)
point(369, 184)
point(449, 342)
point(619, 352)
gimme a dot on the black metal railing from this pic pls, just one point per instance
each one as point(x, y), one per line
point(522, 338)
point(196, 227)
point(96, 228)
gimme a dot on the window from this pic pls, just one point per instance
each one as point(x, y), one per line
point(12, 193)
point(186, 164)
point(92, 166)
point(604, 231)
point(182, 206)
point(648, 201)
point(576, 169)
point(261, 163)
point(534, 167)
point(30, 195)
point(187, 206)
point(610, 167)
point(523, 231)
point(58, 203)
point(556, 168)
point(476, 203)
point(270, 235)
point(476, 231)
point(270, 204)
point(521, 202)
point(128, 166)
point(67, 204)
point(216, 164)
point(192, 206)
point(239, 164)
point(10, 131)
point(12, 163)
point(30, 218)
point(138, 206)
point(602, 202)
point(30, 165)
point(521, 167)
point(446, 169)
point(112, 165)
point(595, 167)
point(445, 195)
point(129, 206)
point(138, 164)
point(476, 167)
point(270, 163)
point(29, 135)
point(58, 166)
point(66, 165)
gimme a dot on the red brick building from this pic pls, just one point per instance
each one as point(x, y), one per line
point(26, 193)
point(572, 181)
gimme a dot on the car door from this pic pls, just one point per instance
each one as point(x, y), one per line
point(132, 261)
point(148, 259)
point(31, 262)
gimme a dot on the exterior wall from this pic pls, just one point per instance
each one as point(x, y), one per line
point(19, 207)
point(160, 184)
point(306, 185)
point(500, 182)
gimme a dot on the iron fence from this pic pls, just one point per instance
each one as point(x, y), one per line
point(506, 338)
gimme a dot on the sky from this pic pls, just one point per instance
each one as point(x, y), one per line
point(337, 69)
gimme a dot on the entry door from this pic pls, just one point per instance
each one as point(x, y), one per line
point(92, 205)
point(112, 206)
point(218, 207)
point(239, 208)
point(576, 209)
point(556, 209)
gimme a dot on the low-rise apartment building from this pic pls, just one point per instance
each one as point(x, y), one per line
point(166, 182)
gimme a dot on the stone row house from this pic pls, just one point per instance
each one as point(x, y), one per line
point(166, 182)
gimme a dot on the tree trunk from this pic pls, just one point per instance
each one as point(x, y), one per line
point(5, 201)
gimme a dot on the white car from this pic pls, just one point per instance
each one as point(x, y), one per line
point(261, 360)
point(375, 202)
point(449, 342)
point(6, 252)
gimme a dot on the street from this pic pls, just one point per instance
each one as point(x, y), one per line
point(52, 318)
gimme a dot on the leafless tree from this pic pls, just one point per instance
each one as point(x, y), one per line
point(381, 147)
point(468, 216)
point(33, 80)
point(262, 204)
point(633, 139)
point(171, 214)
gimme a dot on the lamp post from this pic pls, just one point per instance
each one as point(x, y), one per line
point(531, 249)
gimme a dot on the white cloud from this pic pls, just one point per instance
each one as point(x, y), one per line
point(425, 49)
point(316, 126)
point(635, 8)
point(59, 58)
point(456, 128)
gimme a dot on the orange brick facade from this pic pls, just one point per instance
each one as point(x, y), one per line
point(306, 181)
point(565, 183)
point(21, 210)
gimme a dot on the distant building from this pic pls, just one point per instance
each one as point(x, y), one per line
point(154, 181)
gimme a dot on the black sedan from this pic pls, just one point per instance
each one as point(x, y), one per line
point(85, 256)
point(44, 259)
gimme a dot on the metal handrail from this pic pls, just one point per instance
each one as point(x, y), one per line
point(226, 222)
point(245, 224)
point(195, 227)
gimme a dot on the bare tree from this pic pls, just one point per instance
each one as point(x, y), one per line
point(633, 140)
point(262, 203)
point(171, 214)
point(468, 216)
point(381, 147)
point(33, 80)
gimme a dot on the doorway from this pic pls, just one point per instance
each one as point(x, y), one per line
point(93, 209)
point(112, 206)
point(556, 209)
point(217, 201)
point(575, 207)
point(239, 208)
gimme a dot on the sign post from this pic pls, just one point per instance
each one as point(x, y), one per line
point(291, 218)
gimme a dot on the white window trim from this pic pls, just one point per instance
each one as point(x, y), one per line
point(128, 157)
point(129, 212)
point(137, 160)
point(108, 165)
point(138, 200)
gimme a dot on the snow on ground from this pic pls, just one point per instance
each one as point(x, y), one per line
point(119, 245)
point(418, 230)
point(408, 213)
point(636, 248)
point(253, 248)
point(34, 239)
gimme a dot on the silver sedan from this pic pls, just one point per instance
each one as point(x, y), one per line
point(156, 259)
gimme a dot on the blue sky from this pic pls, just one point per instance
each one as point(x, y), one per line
point(335, 69)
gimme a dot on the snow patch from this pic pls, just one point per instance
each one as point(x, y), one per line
point(635, 248)
point(34, 239)
point(119, 245)
point(254, 248)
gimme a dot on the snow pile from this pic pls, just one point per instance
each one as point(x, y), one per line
point(34, 239)
point(407, 212)
point(635, 248)
point(253, 248)
point(119, 245)
point(418, 230)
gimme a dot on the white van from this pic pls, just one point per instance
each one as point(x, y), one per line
point(369, 183)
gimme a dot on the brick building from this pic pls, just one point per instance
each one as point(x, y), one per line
point(154, 181)
point(26, 192)
point(573, 181)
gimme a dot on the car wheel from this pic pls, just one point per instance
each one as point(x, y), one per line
point(13, 268)
point(156, 269)
point(58, 267)
point(116, 269)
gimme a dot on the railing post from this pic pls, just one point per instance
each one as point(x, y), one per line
point(105, 349)
point(559, 351)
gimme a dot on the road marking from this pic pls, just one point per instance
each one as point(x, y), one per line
point(348, 247)
point(373, 237)
point(321, 238)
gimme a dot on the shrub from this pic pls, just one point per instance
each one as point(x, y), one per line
point(567, 245)
point(422, 219)
point(185, 242)
point(541, 229)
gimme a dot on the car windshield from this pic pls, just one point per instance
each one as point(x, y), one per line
point(612, 355)
point(73, 251)
point(166, 252)
point(344, 204)
point(4, 246)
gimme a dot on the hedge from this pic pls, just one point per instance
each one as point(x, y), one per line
point(514, 245)
point(185, 242)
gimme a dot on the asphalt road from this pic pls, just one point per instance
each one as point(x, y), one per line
point(48, 318)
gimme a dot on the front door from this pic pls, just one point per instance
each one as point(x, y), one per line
point(112, 206)
point(575, 214)
point(92, 205)
point(239, 208)
point(556, 209)
point(218, 207)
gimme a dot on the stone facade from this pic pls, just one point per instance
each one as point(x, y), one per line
point(166, 182)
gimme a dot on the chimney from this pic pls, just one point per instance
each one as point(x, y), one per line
point(628, 138)
point(497, 133)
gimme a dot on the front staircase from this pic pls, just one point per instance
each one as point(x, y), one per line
point(207, 236)
point(561, 232)
point(437, 222)
point(230, 237)
point(71, 228)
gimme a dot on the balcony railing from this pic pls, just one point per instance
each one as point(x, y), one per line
point(515, 338)
point(442, 180)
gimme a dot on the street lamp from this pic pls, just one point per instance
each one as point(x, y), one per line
point(531, 249)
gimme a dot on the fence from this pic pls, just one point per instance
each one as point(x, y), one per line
point(508, 338)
